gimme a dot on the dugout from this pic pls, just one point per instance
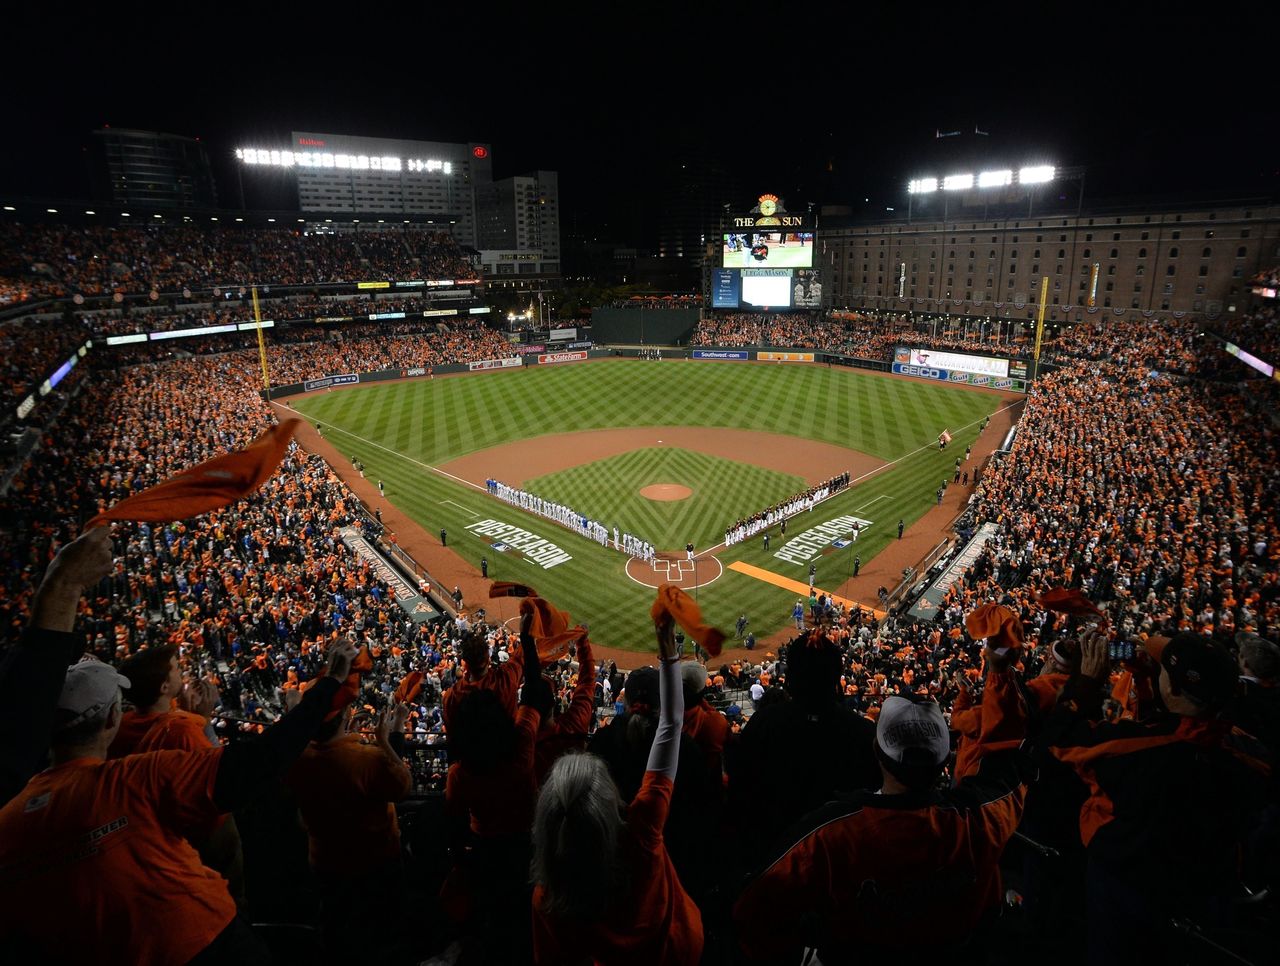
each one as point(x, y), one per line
point(643, 326)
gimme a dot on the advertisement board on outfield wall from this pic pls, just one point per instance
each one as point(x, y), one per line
point(765, 356)
point(531, 350)
point(955, 361)
point(739, 355)
point(958, 378)
point(345, 379)
point(508, 363)
point(560, 335)
point(552, 357)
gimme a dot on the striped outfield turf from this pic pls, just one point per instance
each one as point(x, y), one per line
point(401, 430)
point(721, 488)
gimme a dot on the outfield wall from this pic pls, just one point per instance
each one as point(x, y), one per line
point(644, 326)
point(331, 381)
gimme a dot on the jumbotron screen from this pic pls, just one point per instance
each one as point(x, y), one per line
point(767, 249)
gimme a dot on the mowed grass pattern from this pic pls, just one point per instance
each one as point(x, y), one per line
point(611, 487)
point(400, 430)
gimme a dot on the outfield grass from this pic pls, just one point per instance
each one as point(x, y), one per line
point(402, 429)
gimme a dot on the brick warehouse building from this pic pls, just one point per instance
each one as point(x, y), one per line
point(1187, 259)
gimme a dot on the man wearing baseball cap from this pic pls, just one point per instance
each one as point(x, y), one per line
point(1169, 793)
point(906, 861)
point(106, 837)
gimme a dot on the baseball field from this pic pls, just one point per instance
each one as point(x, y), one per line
point(672, 452)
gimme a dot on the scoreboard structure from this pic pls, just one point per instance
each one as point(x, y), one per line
point(766, 261)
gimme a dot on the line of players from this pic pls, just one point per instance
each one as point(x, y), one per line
point(779, 512)
point(570, 518)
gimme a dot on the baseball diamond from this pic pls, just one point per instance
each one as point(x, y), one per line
point(593, 436)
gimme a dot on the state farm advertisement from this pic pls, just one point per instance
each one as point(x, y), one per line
point(551, 357)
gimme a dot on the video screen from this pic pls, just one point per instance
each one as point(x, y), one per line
point(767, 249)
point(766, 288)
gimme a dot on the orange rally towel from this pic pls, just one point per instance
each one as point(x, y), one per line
point(1071, 602)
point(675, 603)
point(409, 687)
point(350, 689)
point(210, 485)
point(998, 624)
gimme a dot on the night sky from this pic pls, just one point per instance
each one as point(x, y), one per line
point(1182, 108)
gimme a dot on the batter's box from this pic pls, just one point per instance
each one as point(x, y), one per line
point(663, 566)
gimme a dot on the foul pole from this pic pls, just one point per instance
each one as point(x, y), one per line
point(262, 345)
point(1044, 297)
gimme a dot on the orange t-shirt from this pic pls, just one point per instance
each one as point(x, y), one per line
point(174, 730)
point(499, 802)
point(346, 790)
point(655, 922)
point(133, 728)
point(105, 838)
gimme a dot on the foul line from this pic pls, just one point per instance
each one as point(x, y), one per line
point(882, 496)
point(460, 507)
point(881, 468)
point(796, 586)
point(387, 449)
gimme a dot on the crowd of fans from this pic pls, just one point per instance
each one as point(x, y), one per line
point(1149, 490)
point(94, 260)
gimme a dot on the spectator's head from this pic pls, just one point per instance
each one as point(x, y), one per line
point(643, 702)
point(1259, 657)
point(693, 676)
point(575, 838)
point(813, 671)
point(88, 711)
point(155, 675)
point(475, 652)
point(1196, 677)
point(912, 742)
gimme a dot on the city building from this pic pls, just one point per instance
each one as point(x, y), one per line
point(518, 225)
point(152, 170)
point(1193, 259)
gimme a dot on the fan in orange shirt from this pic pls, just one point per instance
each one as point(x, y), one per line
point(606, 889)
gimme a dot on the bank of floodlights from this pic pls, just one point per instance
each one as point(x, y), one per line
point(1035, 174)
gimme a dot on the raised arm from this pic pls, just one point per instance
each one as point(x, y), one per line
point(33, 670)
point(665, 752)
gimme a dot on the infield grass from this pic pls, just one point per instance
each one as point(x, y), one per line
point(402, 429)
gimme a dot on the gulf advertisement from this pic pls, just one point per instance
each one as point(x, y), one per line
point(508, 363)
point(767, 356)
point(553, 357)
point(739, 355)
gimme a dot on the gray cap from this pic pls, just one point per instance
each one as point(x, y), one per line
point(89, 687)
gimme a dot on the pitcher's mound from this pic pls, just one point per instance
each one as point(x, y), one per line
point(666, 492)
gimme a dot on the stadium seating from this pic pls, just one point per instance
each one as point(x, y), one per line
point(1131, 477)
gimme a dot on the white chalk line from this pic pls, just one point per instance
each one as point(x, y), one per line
point(460, 507)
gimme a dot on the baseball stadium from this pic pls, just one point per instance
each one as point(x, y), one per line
point(829, 585)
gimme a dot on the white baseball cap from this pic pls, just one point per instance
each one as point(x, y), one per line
point(904, 724)
point(89, 687)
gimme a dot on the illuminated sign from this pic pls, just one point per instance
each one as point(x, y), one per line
point(373, 285)
point(768, 211)
point(344, 162)
point(185, 333)
point(785, 356)
point(480, 151)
